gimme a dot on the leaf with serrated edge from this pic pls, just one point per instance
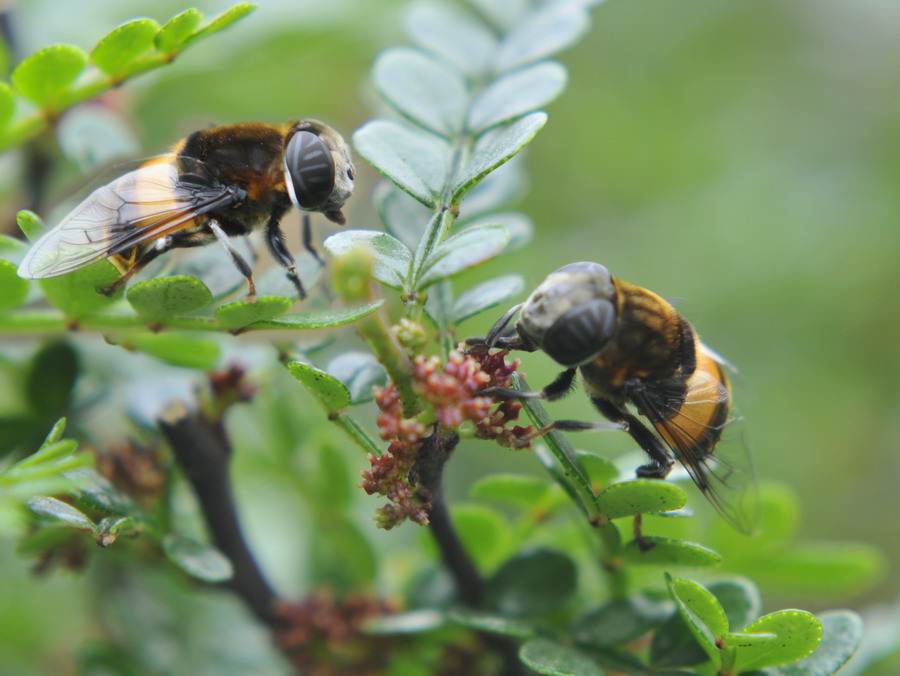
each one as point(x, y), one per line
point(422, 89)
point(415, 161)
point(124, 44)
point(49, 72)
point(495, 149)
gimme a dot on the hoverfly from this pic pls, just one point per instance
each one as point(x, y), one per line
point(633, 348)
point(214, 184)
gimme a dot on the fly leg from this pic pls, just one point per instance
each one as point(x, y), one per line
point(279, 250)
point(307, 239)
point(141, 260)
point(236, 257)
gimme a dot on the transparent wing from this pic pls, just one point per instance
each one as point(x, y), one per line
point(705, 437)
point(140, 206)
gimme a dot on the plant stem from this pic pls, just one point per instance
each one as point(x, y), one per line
point(356, 433)
point(202, 449)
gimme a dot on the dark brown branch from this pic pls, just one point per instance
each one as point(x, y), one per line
point(203, 451)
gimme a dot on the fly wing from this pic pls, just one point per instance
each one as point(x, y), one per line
point(140, 206)
point(704, 436)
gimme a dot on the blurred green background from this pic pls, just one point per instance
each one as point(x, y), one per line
point(741, 156)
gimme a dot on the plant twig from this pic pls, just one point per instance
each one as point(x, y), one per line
point(203, 451)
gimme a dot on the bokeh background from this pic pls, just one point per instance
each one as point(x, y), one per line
point(741, 156)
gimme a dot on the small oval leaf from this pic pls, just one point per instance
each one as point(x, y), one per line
point(360, 372)
point(548, 657)
point(620, 621)
point(177, 349)
point(799, 634)
point(422, 89)
point(541, 34)
point(123, 45)
point(76, 293)
point(176, 31)
point(156, 299)
point(640, 496)
point(242, 313)
point(473, 246)
point(403, 216)
point(518, 490)
point(492, 624)
point(516, 94)
point(669, 552)
point(13, 289)
point(391, 257)
point(453, 35)
point(224, 20)
point(55, 512)
point(486, 295)
point(319, 319)
point(414, 160)
point(204, 562)
point(31, 225)
point(330, 391)
point(702, 613)
point(495, 148)
point(49, 72)
point(842, 634)
point(532, 584)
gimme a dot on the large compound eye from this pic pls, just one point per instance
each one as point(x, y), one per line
point(581, 333)
point(310, 170)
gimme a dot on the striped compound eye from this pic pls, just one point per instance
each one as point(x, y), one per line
point(310, 170)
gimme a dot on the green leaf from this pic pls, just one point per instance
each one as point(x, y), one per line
point(177, 30)
point(495, 190)
point(123, 45)
point(224, 20)
point(535, 583)
point(360, 372)
point(342, 558)
point(620, 621)
point(199, 560)
point(97, 493)
point(48, 453)
point(157, 299)
point(640, 496)
point(75, 293)
point(453, 35)
point(413, 160)
point(13, 289)
point(57, 513)
point(319, 319)
point(516, 94)
point(519, 490)
point(49, 72)
point(410, 622)
point(404, 217)
point(670, 552)
point(51, 377)
point(674, 645)
point(178, 349)
point(484, 533)
point(243, 313)
point(492, 624)
point(739, 599)
point(422, 89)
point(30, 224)
point(601, 471)
point(842, 634)
point(740, 640)
point(823, 568)
point(466, 249)
point(495, 148)
point(702, 612)
point(485, 296)
point(542, 34)
point(55, 433)
point(7, 105)
point(391, 258)
point(330, 391)
point(545, 656)
point(798, 631)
